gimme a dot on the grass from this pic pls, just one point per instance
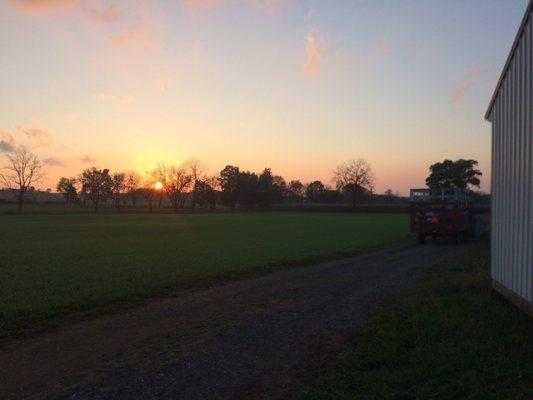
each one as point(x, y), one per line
point(448, 337)
point(53, 265)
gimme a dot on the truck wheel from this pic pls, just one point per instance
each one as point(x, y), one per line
point(421, 238)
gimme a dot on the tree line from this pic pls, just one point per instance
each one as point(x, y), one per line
point(231, 187)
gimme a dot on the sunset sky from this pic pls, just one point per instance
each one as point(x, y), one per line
point(298, 86)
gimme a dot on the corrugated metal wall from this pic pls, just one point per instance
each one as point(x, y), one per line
point(512, 173)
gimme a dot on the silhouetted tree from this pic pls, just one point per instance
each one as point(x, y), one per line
point(118, 188)
point(96, 185)
point(279, 189)
point(198, 172)
point(67, 187)
point(247, 188)
point(148, 190)
point(133, 186)
point(206, 196)
point(453, 174)
point(295, 192)
point(265, 188)
point(22, 170)
point(390, 196)
point(355, 179)
point(176, 180)
point(314, 192)
point(228, 184)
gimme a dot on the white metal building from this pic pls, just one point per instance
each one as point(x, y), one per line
point(511, 114)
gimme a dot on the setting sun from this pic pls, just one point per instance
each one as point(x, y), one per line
point(158, 186)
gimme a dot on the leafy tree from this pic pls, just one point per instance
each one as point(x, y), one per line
point(228, 184)
point(453, 174)
point(22, 170)
point(314, 192)
point(247, 188)
point(206, 197)
point(67, 186)
point(118, 188)
point(279, 189)
point(355, 179)
point(176, 180)
point(355, 193)
point(295, 191)
point(96, 185)
point(265, 188)
point(390, 196)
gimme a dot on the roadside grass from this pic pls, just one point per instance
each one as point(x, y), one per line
point(62, 266)
point(448, 337)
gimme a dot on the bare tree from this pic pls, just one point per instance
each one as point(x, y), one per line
point(133, 184)
point(198, 172)
point(148, 188)
point(22, 171)
point(355, 178)
point(176, 180)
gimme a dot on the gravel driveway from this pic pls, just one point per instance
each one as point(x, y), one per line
point(247, 339)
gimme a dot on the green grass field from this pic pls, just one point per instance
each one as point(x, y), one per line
point(52, 265)
point(448, 337)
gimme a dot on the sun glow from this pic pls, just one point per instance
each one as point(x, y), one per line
point(158, 186)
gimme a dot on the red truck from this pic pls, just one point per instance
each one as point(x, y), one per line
point(442, 213)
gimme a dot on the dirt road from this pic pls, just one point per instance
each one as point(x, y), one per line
point(246, 339)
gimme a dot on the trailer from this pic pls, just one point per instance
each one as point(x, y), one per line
point(442, 213)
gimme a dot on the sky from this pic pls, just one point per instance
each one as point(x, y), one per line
point(295, 85)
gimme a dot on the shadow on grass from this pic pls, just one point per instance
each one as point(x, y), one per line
point(447, 337)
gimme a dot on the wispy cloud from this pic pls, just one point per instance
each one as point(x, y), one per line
point(458, 92)
point(265, 5)
point(38, 136)
point(111, 98)
point(135, 36)
point(475, 72)
point(97, 17)
point(312, 55)
point(64, 117)
point(202, 3)
point(87, 159)
point(54, 162)
point(44, 6)
point(8, 143)
point(473, 75)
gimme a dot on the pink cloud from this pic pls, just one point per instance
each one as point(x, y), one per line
point(44, 6)
point(267, 5)
point(312, 55)
point(459, 91)
point(53, 162)
point(202, 3)
point(473, 76)
point(475, 71)
point(87, 159)
point(97, 17)
point(39, 137)
point(135, 36)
